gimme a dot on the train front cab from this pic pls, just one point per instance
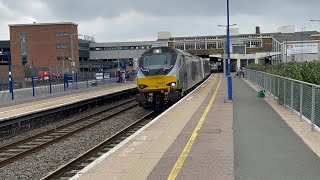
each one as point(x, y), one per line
point(159, 91)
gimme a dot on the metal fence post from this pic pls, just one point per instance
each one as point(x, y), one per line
point(284, 93)
point(270, 85)
point(256, 77)
point(301, 101)
point(265, 81)
point(32, 81)
point(87, 79)
point(278, 93)
point(50, 84)
point(313, 109)
point(274, 86)
point(292, 97)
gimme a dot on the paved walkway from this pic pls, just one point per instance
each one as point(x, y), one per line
point(265, 146)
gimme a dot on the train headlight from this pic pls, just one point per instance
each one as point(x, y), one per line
point(172, 84)
point(142, 86)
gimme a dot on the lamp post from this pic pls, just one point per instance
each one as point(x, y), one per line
point(228, 50)
point(224, 47)
point(72, 57)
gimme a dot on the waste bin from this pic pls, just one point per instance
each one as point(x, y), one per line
point(261, 94)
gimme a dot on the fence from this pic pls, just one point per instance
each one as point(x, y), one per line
point(299, 97)
point(30, 82)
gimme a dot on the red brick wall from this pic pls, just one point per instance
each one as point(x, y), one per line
point(41, 42)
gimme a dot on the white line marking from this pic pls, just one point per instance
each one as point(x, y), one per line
point(104, 156)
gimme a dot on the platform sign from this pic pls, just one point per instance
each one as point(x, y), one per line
point(302, 48)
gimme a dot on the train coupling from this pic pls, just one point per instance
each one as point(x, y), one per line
point(140, 98)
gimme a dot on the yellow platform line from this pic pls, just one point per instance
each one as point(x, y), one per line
point(175, 170)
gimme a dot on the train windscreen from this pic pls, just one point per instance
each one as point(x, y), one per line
point(157, 64)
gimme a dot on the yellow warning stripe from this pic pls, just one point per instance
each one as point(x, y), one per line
point(175, 170)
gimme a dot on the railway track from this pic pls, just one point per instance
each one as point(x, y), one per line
point(23, 148)
point(73, 167)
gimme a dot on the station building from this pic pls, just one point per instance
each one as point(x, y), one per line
point(244, 48)
point(49, 45)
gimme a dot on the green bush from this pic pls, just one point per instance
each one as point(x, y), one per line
point(303, 71)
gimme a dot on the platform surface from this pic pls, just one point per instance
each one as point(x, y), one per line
point(153, 152)
point(26, 108)
point(242, 139)
point(265, 146)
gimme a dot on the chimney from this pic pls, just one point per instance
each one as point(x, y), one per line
point(257, 30)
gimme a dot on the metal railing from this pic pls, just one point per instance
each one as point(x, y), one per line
point(299, 97)
point(28, 87)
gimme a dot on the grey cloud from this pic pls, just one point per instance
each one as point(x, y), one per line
point(181, 17)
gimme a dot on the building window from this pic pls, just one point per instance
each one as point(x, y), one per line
point(256, 43)
point(61, 34)
point(201, 45)
point(220, 45)
point(189, 46)
point(247, 43)
point(62, 46)
point(23, 46)
point(60, 58)
point(212, 46)
point(179, 46)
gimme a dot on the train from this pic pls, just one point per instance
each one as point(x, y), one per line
point(167, 74)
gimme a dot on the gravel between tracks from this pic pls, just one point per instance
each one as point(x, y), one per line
point(44, 128)
point(41, 163)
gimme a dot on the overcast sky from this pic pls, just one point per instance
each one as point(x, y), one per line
point(130, 20)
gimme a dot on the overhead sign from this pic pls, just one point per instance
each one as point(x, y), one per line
point(302, 48)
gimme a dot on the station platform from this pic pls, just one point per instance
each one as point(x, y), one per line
point(205, 137)
point(269, 142)
point(45, 103)
point(191, 140)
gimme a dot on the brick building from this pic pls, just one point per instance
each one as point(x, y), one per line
point(44, 44)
